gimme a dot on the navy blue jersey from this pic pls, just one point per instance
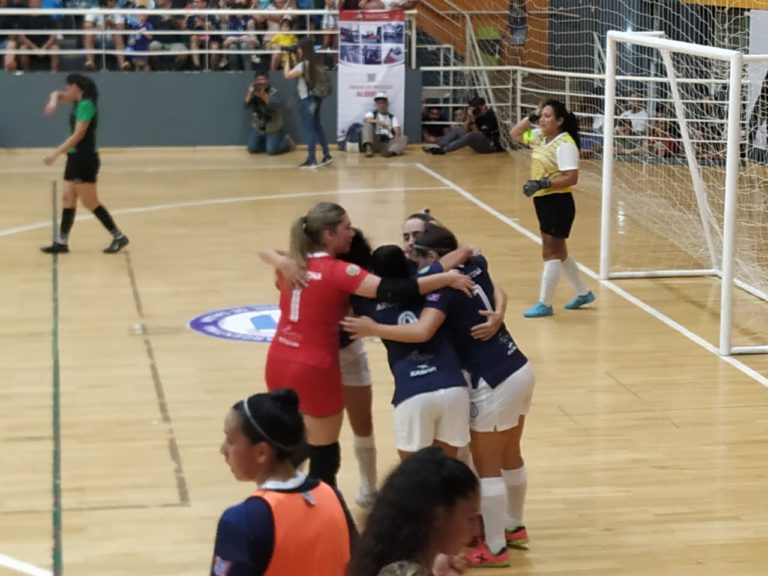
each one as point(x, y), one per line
point(245, 537)
point(498, 358)
point(417, 368)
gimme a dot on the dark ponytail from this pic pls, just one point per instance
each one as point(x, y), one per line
point(570, 122)
point(86, 85)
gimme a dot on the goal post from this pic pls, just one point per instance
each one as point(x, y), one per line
point(691, 185)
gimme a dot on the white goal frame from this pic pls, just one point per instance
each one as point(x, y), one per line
point(723, 269)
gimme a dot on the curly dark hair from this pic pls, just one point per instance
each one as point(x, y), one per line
point(359, 251)
point(400, 525)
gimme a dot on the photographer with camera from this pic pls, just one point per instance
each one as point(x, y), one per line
point(480, 131)
point(267, 113)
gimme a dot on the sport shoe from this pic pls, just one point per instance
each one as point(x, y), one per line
point(437, 151)
point(117, 245)
point(308, 165)
point(368, 149)
point(481, 557)
point(387, 154)
point(538, 310)
point(580, 300)
point(517, 538)
point(326, 161)
point(55, 248)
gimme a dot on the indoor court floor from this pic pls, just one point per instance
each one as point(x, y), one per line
point(646, 451)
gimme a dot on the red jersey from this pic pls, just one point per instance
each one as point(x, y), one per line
point(308, 331)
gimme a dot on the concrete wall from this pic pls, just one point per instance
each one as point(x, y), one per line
point(163, 109)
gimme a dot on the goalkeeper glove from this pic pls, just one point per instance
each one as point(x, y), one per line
point(533, 186)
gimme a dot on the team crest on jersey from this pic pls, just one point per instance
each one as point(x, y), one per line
point(221, 567)
point(407, 317)
point(353, 270)
point(256, 323)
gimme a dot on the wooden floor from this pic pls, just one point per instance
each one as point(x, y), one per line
point(646, 452)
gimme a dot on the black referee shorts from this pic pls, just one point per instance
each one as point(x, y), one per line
point(82, 168)
point(556, 213)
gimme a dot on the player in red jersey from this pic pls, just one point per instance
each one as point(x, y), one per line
point(304, 354)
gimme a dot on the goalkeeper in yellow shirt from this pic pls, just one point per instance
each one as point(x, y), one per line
point(554, 170)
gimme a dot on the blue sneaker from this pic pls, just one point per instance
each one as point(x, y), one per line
point(538, 310)
point(580, 301)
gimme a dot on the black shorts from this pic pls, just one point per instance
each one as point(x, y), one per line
point(82, 168)
point(556, 213)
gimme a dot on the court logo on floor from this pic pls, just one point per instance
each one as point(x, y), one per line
point(245, 323)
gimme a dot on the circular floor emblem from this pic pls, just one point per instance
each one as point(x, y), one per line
point(245, 323)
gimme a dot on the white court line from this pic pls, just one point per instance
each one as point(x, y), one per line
point(156, 169)
point(752, 373)
point(216, 201)
point(22, 567)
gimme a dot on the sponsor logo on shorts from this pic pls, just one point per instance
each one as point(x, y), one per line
point(256, 323)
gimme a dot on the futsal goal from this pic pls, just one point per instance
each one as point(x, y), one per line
point(685, 179)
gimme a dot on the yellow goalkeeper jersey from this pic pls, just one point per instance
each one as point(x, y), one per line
point(551, 158)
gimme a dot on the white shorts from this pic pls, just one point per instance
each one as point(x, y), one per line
point(354, 365)
point(440, 415)
point(500, 408)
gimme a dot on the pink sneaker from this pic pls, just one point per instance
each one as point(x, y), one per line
point(481, 557)
point(517, 538)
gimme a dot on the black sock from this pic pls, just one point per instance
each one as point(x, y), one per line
point(101, 213)
point(67, 221)
point(324, 462)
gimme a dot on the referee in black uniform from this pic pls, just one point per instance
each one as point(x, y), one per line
point(82, 162)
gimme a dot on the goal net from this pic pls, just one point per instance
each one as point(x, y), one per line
point(685, 180)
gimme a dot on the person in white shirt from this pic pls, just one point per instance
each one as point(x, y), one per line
point(636, 114)
point(382, 131)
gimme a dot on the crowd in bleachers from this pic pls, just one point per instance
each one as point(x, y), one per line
point(163, 41)
point(640, 134)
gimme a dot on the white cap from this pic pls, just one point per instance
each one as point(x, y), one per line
point(380, 96)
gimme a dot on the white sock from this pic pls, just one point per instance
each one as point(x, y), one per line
point(516, 482)
point(365, 452)
point(549, 279)
point(571, 271)
point(493, 504)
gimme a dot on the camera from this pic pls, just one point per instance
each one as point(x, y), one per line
point(477, 110)
point(292, 49)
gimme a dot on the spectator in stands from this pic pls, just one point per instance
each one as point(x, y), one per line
point(382, 131)
point(238, 32)
point(387, 4)
point(627, 143)
point(41, 43)
point(285, 41)
point(273, 21)
point(661, 143)
point(459, 116)
point(8, 42)
point(267, 113)
point(480, 132)
point(104, 41)
point(139, 42)
point(431, 130)
point(636, 113)
point(206, 42)
point(590, 140)
point(174, 43)
point(350, 5)
point(329, 24)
